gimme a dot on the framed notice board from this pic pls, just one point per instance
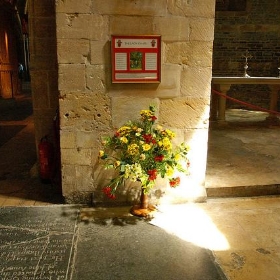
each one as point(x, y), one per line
point(136, 59)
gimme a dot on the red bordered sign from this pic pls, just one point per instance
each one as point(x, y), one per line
point(136, 59)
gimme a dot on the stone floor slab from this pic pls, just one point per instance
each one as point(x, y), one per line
point(36, 242)
point(125, 247)
point(59, 242)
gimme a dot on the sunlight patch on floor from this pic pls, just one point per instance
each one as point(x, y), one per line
point(192, 224)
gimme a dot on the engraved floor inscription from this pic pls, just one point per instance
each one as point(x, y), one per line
point(37, 242)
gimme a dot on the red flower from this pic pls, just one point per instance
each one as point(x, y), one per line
point(107, 190)
point(153, 118)
point(152, 174)
point(148, 138)
point(174, 182)
point(159, 158)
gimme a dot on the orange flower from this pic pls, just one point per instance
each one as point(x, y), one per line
point(174, 182)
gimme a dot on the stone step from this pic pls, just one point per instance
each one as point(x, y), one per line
point(244, 191)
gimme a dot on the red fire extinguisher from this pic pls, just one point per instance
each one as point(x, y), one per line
point(46, 159)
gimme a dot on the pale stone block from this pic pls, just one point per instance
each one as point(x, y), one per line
point(76, 156)
point(194, 53)
point(201, 53)
point(97, 78)
point(71, 77)
point(73, 51)
point(69, 174)
point(82, 26)
point(85, 111)
point(176, 53)
point(72, 192)
point(184, 113)
point(85, 124)
point(134, 90)
point(124, 7)
point(192, 8)
point(169, 87)
point(67, 139)
point(196, 81)
point(86, 139)
point(73, 26)
point(73, 6)
point(202, 29)
point(99, 27)
point(100, 52)
point(66, 111)
point(165, 26)
point(84, 178)
point(170, 81)
point(126, 108)
point(127, 25)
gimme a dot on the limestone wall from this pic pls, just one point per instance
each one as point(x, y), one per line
point(91, 106)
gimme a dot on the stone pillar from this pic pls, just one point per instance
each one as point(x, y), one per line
point(91, 106)
point(43, 65)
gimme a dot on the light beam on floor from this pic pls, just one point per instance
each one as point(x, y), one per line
point(192, 224)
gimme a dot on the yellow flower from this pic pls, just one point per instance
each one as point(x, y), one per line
point(170, 133)
point(124, 130)
point(133, 149)
point(177, 157)
point(166, 144)
point(169, 171)
point(117, 163)
point(146, 147)
point(101, 153)
point(147, 113)
point(124, 139)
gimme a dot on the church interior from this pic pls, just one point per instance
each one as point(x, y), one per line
point(239, 222)
point(240, 28)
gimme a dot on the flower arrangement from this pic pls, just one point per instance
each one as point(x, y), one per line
point(141, 151)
